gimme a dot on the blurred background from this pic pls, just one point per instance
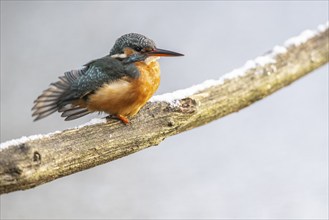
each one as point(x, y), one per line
point(269, 160)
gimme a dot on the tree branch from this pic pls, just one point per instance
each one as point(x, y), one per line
point(34, 160)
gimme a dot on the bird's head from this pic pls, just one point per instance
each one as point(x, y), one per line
point(138, 47)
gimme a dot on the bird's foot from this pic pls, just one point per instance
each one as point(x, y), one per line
point(122, 118)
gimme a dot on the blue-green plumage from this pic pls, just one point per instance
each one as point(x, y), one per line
point(70, 95)
point(96, 73)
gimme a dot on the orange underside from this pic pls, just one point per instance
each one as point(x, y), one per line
point(126, 96)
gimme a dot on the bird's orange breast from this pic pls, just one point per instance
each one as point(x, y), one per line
point(126, 96)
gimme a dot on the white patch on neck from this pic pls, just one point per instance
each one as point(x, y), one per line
point(151, 59)
point(123, 55)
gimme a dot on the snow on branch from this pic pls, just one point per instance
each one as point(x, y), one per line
point(37, 159)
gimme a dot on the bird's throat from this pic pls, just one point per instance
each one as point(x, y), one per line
point(151, 59)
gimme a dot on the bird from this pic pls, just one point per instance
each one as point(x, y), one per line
point(118, 84)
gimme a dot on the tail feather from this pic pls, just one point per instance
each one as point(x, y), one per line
point(44, 114)
point(53, 98)
point(72, 117)
point(46, 98)
point(74, 113)
point(38, 107)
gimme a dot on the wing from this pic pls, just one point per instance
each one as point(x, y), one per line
point(77, 85)
point(48, 102)
point(98, 72)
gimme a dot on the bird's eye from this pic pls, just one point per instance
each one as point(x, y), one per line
point(138, 49)
point(146, 49)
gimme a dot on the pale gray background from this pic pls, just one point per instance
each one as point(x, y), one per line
point(267, 161)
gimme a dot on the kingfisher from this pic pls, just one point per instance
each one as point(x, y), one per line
point(118, 84)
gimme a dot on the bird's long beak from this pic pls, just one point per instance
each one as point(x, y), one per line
point(164, 53)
